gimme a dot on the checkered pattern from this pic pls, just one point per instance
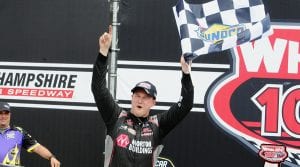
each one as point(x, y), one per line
point(194, 19)
point(293, 159)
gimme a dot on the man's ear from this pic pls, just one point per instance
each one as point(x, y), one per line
point(154, 102)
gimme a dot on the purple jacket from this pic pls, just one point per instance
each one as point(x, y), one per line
point(11, 142)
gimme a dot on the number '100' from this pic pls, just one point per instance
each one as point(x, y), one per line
point(279, 110)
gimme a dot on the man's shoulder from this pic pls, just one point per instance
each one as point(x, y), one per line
point(17, 128)
point(123, 113)
point(154, 119)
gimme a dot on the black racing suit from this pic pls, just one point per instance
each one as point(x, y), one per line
point(134, 140)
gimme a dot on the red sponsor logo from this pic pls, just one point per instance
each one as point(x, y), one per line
point(258, 101)
point(122, 140)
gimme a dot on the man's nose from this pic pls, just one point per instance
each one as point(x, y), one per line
point(140, 100)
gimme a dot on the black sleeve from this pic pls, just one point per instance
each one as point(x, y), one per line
point(169, 119)
point(106, 104)
point(28, 142)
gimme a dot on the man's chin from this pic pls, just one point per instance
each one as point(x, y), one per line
point(2, 126)
point(139, 113)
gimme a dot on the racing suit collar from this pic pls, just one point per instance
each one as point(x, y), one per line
point(137, 119)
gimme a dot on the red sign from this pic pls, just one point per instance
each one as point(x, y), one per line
point(258, 101)
point(55, 93)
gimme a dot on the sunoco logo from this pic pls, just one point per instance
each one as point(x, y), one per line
point(218, 32)
point(258, 101)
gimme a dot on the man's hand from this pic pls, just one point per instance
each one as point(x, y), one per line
point(45, 153)
point(54, 162)
point(105, 41)
point(185, 67)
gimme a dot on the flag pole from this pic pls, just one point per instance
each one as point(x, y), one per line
point(112, 73)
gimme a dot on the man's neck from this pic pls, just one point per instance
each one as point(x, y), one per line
point(3, 129)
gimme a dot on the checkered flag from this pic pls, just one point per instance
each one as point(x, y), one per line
point(219, 25)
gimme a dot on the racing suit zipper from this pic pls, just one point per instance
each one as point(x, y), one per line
point(138, 137)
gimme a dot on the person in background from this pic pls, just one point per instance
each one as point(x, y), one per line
point(13, 138)
point(135, 135)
